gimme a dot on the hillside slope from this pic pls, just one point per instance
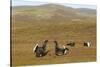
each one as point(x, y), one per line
point(51, 12)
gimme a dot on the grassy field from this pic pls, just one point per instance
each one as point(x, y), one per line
point(26, 34)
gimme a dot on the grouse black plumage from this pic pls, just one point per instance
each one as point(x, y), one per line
point(60, 51)
point(40, 51)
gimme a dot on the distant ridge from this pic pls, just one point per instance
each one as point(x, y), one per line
point(51, 12)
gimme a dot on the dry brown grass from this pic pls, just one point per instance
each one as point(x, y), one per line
point(26, 34)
